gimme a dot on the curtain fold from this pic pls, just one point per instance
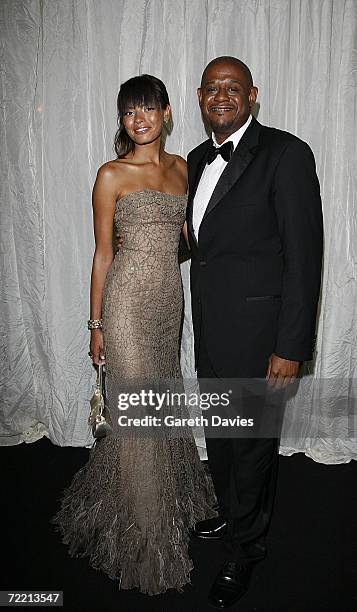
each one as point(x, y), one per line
point(62, 65)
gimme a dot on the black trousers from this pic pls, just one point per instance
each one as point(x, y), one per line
point(244, 473)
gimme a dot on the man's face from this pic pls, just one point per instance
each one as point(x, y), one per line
point(226, 98)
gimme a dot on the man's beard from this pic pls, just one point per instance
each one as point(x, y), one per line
point(218, 127)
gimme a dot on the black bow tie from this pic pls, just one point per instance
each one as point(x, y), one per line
point(226, 151)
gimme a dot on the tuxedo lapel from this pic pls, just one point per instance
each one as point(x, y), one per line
point(200, 167)
point(241, 158)
point(193, 187)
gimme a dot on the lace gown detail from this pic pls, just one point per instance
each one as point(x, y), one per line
point(131, 506)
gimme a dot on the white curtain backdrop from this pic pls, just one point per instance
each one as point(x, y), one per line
point(62, 64)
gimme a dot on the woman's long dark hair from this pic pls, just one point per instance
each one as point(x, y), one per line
point(139, 91)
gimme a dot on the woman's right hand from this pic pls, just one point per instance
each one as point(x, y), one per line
point(96, 347)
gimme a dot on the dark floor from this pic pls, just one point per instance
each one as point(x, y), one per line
point(312, 542)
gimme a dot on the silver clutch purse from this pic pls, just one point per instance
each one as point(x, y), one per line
point(99, 417)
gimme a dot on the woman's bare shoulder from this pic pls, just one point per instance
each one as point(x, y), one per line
point(113, 174)
point(180, 166)
point(181, 162)
point(114, 168)
point(177, 163)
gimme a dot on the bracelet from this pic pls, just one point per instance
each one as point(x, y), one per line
point(95, 324)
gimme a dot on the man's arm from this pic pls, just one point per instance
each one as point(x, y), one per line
point(299, 213)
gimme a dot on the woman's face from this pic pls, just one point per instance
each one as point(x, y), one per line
point(144, 124)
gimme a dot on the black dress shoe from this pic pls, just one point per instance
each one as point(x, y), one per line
point(211, 529)
point(230, 585)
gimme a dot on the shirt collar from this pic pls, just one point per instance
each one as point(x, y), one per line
point(235, 137)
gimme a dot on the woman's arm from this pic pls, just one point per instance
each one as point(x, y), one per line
point(184, 246)
point(184, 252)
point(103, 201)
point(184, 231)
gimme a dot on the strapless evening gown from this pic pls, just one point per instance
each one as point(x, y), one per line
point(131, 507)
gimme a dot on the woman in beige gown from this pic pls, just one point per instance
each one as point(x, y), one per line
point(131, 507)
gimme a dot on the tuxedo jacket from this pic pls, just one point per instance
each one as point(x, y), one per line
point(256, 268)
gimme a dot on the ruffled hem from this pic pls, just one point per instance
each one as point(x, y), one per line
point(145, 549)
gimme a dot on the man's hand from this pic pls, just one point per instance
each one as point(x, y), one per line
point(118, 242)
point(281, 372)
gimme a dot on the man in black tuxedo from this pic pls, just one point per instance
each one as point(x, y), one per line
point(255, 231)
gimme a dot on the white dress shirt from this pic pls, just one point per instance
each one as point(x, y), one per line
point(210, 177)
